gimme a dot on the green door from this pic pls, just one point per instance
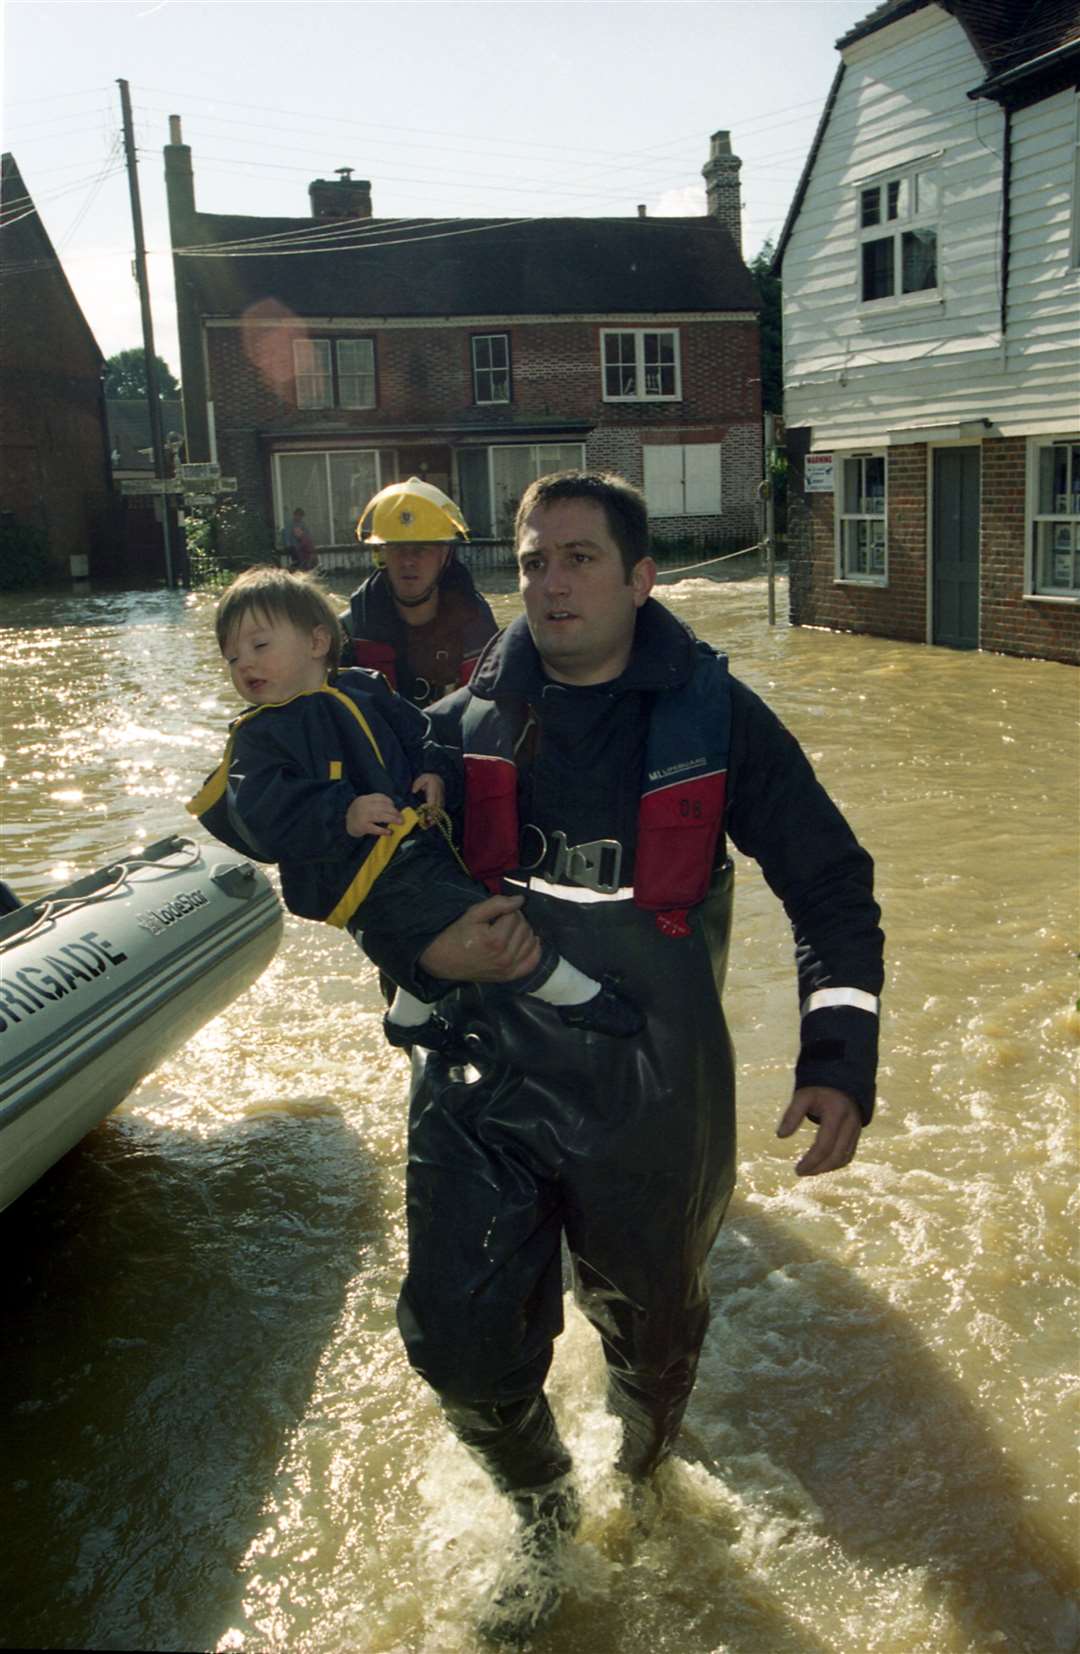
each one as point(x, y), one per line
point(955, 547)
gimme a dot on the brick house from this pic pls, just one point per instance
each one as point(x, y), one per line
point(931, 282)
point(54, 454)
point(324, 357)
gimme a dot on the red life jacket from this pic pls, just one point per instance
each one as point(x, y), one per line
point(681, 814)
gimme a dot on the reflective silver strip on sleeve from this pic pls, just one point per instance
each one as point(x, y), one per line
point(573, 892)
point(854, 997)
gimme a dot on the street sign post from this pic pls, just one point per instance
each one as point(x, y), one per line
point(196, 490)
point(151, 485)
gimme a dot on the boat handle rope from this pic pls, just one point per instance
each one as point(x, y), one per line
point(55, 909)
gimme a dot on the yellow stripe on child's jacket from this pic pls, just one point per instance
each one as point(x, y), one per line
point(213, 790)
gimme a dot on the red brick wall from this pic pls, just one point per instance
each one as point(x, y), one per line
point(896, 610)
point(53, 443)
point(425, 375)
point(424, 378)
point(1010, 623)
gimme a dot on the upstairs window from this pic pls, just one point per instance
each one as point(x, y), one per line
point(898, 235)
point(334, 374)
point(314, 380)
point(491, 367)
point(1056, 527)
point(640, 366)
point(860, 516)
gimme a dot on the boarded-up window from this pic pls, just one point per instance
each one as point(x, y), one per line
point(683, 479)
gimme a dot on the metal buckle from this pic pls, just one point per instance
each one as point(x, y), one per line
point(595, 865)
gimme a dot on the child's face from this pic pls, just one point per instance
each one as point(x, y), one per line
point(272, 660)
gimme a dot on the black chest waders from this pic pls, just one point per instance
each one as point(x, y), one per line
point(625, 1146)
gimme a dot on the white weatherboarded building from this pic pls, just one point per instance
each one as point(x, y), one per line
point(931, 278)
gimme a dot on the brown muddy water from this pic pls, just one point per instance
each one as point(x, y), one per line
point(211, 1438)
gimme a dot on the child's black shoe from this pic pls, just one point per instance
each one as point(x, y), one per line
point(607, 1012)
point(435, 1034)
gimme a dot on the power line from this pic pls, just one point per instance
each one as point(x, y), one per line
point(108, 170)
point(52, 97)
point(307, 252)
point(48, 195)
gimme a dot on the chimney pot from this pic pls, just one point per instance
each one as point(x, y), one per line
point(175, 136)
point(340, 197)
point(721, 175)
point(642, 211)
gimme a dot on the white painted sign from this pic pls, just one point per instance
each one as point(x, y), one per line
point(818, 471)
point(200, 471)
point(150, 485)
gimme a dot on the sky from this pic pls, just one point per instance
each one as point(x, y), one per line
point(510, 108)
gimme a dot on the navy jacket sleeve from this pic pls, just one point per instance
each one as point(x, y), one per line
point(384, 946)
point(276, 797)
point(779, 814)
point(412, 729)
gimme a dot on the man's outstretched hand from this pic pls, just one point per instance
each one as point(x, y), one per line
point(491, 942)
point(838, 1129)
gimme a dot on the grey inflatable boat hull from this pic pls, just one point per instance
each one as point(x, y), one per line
point(105, 978)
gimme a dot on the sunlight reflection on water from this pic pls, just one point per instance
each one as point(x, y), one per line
point(219, 1443)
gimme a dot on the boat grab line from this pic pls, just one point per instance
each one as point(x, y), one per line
point(52, 910)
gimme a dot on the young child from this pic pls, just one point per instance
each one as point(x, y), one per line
point(321, 775)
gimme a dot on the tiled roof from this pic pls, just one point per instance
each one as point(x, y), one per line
point(1005, 33)
point(29, 262)
point(480, 267)
point(1011, 37)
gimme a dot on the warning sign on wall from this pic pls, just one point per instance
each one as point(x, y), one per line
point(818, 471)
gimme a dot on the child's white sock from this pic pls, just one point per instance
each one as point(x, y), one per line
point(566, 986)
point(408, 1011)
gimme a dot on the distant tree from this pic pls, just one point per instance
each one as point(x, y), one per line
point(125, 376)
point(769, 297)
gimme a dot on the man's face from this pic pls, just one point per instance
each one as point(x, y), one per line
point(413, 570)
point(579, 605)
point(270, 659)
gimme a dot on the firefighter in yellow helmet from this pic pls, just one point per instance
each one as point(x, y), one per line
point(418, 618)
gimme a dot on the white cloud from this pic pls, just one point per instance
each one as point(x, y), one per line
point(688, 201)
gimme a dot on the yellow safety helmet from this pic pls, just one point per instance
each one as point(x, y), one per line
point(411, 510)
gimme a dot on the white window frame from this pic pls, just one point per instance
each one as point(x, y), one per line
point(847, 521)
point(491, 368)
point(314, 383)
point(534, 449)
point(284, 504)
point(320, 376)
point(640, 335)
point(347, 375)
point(1055, 525)
point(705, 452)
point(897, 218)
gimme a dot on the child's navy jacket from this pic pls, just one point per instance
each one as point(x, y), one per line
point(290, 772)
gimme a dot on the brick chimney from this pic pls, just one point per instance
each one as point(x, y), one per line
point(721, 175)
point(348, 198)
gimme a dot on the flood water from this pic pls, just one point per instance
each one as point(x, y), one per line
point(211, 1437)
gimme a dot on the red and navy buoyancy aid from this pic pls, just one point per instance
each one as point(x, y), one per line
point(681, 814)
point(378, 638)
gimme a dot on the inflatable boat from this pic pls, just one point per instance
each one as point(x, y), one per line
point(103, 979)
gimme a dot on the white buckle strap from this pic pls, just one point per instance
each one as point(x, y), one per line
point(821, 998)
point(572, 892)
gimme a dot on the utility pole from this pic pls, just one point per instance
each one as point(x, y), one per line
point(770, 515)
point(153, 400)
